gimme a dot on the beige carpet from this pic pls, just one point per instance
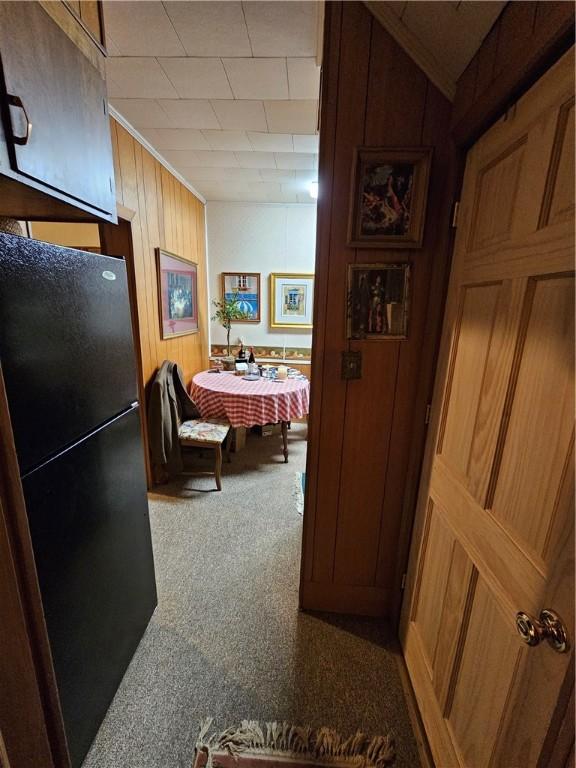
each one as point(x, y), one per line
point(227, 639)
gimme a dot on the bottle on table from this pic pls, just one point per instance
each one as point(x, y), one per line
point(251, 356)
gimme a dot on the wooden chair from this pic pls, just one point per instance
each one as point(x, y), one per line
point(207, 433)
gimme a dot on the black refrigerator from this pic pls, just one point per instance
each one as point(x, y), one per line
point(67, 358)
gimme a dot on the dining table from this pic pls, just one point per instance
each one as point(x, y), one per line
point(248, 403)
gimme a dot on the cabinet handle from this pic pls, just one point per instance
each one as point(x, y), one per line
point(16, 101)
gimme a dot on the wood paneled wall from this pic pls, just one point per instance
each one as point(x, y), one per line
point(366, 436)
point(169, 216)
point(525, 40)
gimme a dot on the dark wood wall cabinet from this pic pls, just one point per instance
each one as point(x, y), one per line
point(55, 147)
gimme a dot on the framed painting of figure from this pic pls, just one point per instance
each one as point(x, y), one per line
point(378, 301)
point(388, 198)
point(177, 295)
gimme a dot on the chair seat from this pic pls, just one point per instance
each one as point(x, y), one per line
point(203, 431)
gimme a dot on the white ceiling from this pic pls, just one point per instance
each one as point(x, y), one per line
point(226, 92)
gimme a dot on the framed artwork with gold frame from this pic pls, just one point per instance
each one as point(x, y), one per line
point(291, 300)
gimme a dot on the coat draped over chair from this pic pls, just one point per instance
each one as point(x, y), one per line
point(168, 406)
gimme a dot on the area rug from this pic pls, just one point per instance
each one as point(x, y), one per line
point(299, 487)
point(278, 745)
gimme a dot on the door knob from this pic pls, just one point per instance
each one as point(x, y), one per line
point(548, 627)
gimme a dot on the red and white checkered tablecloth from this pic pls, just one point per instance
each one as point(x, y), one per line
point(246, 403)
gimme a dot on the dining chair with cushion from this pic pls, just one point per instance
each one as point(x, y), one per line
point(208, 433)
point(175, 423)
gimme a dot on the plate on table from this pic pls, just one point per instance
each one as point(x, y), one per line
point(251, 377)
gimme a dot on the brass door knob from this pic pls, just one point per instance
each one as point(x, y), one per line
point(549, 627)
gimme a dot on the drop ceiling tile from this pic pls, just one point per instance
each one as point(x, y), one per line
point(223, 174)
point(303, 78)
point(189, 113)
point(308, 175)
point(240, 115)
point(232, 140)
point(282, 29)
point(299, 116)
point(137, 78)
point(142, 113)
point(215, 190)
point(274, 174)
point(210, 28)
point(257, 78)
point(141, 29)
point(175, 138)
point(294, 160)
point(256, 159)
point(269, 187)
point(305, 198)
point(197, 78)
point(306, 143)
point(271, 142)
point(200, 159)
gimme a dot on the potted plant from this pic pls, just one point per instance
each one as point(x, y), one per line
point(227, 311)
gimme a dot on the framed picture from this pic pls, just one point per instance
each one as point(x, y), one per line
point(247, 287)
point(378, 301)
point(388, 198)
point(291, 300)
point(177, 295)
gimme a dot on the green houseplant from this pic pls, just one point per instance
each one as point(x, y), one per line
point(227, 310)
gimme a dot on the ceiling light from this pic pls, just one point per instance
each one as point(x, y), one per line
point(313, 190)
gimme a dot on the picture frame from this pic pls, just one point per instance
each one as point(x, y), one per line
point(389, 190)
point(177, 294)
point(291, 300)
point(247, 284)
point(378, 302)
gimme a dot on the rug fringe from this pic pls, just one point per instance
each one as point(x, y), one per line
point(324, 745)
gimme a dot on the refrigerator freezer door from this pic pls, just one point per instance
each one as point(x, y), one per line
point(90, 529)
point(66, 345)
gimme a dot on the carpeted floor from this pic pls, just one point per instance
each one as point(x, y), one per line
point(227, 639)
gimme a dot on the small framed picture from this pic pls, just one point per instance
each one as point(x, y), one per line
point(291, 300)
point(388, 198)
point(177, 295)
point(246, 285)
point(378, 301)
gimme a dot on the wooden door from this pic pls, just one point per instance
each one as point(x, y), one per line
point(495, 524)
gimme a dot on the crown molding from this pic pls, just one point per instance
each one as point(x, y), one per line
point(139, 138)
point(413, 47)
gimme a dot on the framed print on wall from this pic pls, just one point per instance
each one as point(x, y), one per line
point(247, 287)
point(291, 300)
point(177, 295)
point(378, 301)
point(388, 197)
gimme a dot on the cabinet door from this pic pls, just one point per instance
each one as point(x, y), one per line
point(68, 146)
